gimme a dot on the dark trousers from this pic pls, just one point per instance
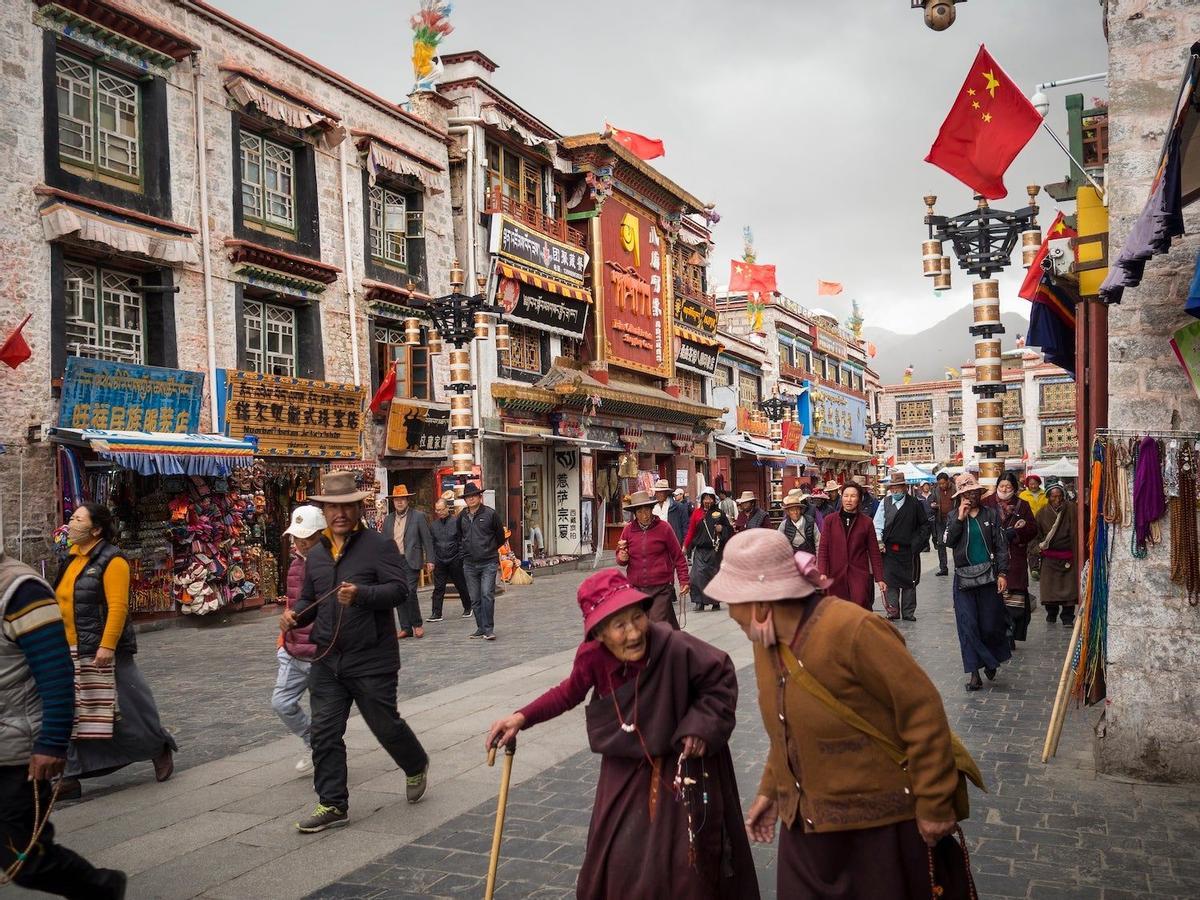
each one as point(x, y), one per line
point(452, 573)
point(982, 627)
point(900, 601)
point(939, 529)
point(330, 697)
point(481, 581)
point(50, 867)
point(409, 612)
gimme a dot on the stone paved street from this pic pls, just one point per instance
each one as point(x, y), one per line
point(223, 827)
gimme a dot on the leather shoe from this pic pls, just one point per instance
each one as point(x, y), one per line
point(164, 765)
point(990, 673)
point(910, 618)
point(942, 572)
point(402, 634)
point(419, 632)
point(69, 789)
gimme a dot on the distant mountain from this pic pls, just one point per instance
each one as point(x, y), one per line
point(948, 343)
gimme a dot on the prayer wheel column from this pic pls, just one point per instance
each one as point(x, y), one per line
point(989, 380)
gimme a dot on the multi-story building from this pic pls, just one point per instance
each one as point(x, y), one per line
point(927, 421)
point(210, 233)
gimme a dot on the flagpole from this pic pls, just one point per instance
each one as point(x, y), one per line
point(1077, 163)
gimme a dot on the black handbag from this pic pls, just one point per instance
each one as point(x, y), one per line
point(976, 575)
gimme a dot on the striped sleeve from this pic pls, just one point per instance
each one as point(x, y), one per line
point(33, 622)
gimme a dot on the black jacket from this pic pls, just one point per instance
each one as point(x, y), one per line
point(482, 535)
point(806, 528)
point(957, 536)
point(365, 642)
point(91, 606)
point(447, 545)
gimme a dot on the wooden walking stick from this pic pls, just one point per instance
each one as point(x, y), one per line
point(1058, 711)
point(510, 751)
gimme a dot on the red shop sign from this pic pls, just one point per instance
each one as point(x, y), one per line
point(636, 313)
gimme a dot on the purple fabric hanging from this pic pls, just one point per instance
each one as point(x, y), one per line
point(1149, 502)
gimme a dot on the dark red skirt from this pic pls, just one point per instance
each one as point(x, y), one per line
point(867, 864)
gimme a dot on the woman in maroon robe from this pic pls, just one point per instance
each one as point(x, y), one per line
point(849, 550)
point(667, 819)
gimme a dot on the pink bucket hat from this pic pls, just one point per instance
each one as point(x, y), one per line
point(759, 566)
point(604, 593)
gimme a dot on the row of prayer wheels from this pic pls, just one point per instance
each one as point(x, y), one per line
point(412, 334)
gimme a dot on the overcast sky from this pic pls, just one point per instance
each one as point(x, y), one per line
point(808, 120)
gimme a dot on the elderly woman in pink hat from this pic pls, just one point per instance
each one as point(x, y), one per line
point(834, 684)
point(667, 815)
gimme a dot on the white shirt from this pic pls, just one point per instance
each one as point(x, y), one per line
point(898, 500)
point(660, 509)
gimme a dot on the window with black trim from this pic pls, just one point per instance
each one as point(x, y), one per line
point(268, 182)
point(274, 187)
point(396, 224)
point(105, 313)
point(412, 363)
point(99, 121)
point(270, 337)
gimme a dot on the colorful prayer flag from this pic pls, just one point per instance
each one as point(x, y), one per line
point(15, 349)
point(828, 288)
point(988, 125)
point(639, 145)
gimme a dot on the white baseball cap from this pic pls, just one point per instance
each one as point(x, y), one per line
point(306, 521)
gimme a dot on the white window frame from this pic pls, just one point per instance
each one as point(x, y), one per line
point(109, 124)
point(270, 196)
point(274, 325)
point(105, 313)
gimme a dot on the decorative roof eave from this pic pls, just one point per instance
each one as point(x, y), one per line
point(389, 299)
point(137, 36)
point(632, 166)
point(362, 137)
point(250, 87)
point(294, 283)
point(615, 400)
point(524, 397)
point(279, 262)
point(378, 153)
point(499, 98)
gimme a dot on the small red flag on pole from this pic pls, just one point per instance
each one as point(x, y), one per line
point(988, 125)
point(387, 390)
point(15, 349)
point(639, 145)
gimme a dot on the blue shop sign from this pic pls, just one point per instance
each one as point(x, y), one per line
point(98, 393)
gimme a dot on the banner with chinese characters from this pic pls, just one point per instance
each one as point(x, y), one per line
point(839, 416)
point(115, 396)
point(295, 417)
point(695, 314)
point(526, 305)
point(566, 526)
point(636, 318)
point(696, 356)
point(521, 243)
point(414, 430)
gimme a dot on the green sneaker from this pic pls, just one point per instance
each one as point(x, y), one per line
point(323, 817)
point(415, 785)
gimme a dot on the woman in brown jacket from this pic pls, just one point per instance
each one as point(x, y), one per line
point(857, 824)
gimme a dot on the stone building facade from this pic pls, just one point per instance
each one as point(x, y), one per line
point(1151, 726)
point(104, 245)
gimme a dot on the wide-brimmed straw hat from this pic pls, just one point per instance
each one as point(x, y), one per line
point(795, 498)
point(401, 490)
point(662, 485)
point(759, 565)
point(831, 487)
point(897, 479)
point(604, 593)
point(339, 487)
point(640, 498)
point(747, 497)
point(965, 483)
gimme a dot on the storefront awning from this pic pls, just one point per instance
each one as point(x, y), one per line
point(744, 444)
point(545, 284)
point(158, 453)
point(60, 220)
point(842, 454)
point(250, 88)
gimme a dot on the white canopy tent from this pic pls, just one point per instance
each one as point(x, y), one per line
point(914, 474)
point(1060, 468)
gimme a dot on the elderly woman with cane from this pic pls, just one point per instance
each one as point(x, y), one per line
point(862, 766)
point(667, 815)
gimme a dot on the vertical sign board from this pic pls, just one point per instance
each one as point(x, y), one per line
point(636, 318)
point(566, 525)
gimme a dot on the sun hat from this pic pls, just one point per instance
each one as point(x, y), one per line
point(401, 490)
point(794, 498)
point(759, 566)
point(831, 487)
point(1032, 477)
point(965, 483)
point(604, 593)
point(747, 497)
point(707, 489)
point(339, 487)
point(306, 521)
point(662, 485)
point(896, 479)
point(472, 490)
point(639, 498)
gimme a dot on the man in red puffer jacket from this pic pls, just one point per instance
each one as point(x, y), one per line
point(295, 649)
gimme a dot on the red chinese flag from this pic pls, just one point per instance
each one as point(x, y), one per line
point(15, 349)
point(639, 145)
point(387, 390)
point(988, 125)
point(891, 461)
point(744, 276)
point(1058, 229)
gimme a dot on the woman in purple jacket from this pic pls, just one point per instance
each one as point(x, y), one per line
point(296, 649)
point(653, 559)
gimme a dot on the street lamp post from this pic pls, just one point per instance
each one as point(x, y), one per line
point(879, 431)
point(459, 319)
point(983, 240)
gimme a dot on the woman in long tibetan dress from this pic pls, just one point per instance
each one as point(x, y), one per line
point(667, 819)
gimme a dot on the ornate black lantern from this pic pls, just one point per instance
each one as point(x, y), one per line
point(879, 430)
point(776, 408)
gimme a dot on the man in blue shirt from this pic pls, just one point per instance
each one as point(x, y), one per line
point(902, 527)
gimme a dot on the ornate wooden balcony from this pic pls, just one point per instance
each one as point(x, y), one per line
point(527, 214)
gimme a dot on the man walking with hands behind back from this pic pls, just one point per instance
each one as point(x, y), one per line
point(902, 526)
point(481, 532)
point(353, 580)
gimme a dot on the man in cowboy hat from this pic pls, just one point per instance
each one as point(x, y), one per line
point(798, 525)
point(353, 580)
point(651, 553)
point(409, 529)
point(941, 501)
point(902, 527)
point(870, 502)
point(481, 533)
point(670, 510)
point(750, 514)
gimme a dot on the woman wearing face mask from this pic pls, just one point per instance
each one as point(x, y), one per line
point(707, 533)
point(92, 588)
point(1020, 527)
point(856, 822)
point(667, 817)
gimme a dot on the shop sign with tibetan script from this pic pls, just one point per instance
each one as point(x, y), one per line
point(562, 315)
point(523, 244)
point(295, 417)
point(116, 396)
point(696, 356)
point(695, 315)
point(636, 320)
point(414, 430)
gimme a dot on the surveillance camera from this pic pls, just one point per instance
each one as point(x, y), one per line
point(1060, 256)
point(939, 14)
